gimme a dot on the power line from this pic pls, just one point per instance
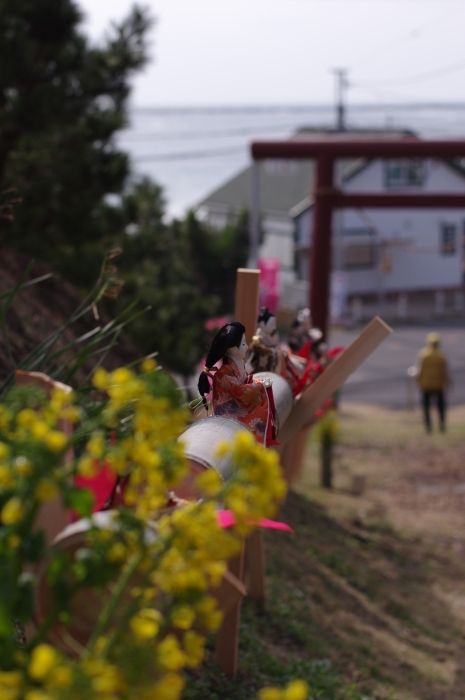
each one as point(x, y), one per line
point(190, 155)
point(216, 133)
point(406, 38)
point(419, 77)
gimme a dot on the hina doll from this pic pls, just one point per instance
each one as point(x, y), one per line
point(299, 332)
point(266, 355)
point(234, 392)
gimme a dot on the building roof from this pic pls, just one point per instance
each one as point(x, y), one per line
point(285, 184)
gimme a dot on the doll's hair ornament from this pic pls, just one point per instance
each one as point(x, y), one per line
point(264, 315)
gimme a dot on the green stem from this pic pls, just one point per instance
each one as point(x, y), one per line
point(110, 607)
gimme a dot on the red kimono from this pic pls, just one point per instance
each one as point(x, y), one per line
point(238, 396)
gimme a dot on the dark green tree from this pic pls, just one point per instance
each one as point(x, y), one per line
point(216, 255)
point(61, 102)
point(158, 270)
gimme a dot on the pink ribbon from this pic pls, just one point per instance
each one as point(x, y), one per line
point(226, 519)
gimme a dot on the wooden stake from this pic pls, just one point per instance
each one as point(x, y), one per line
point(334, 377)
point(227, 637)
point(255, 567)
point(246, 304)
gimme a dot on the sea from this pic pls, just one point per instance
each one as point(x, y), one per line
point(190, 151)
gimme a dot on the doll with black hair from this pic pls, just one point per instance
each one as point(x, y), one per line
point(267, 355)
point(234, 392)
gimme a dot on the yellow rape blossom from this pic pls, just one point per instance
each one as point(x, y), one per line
point(46, 490)
point(183, 617)
point(122, 375)
point(39, 429)
point(96, 445)
point(60, 677)
point(26, 418)
point(12, 512)
point(149, 365)
point(100, 379)
point(270, 694)
point(209, 482)
point(146, 624)
point(117, 552)
point(6, 477)
point(169, 688)
point(194, 647)
point(37, 694)
point(44, 658)
point(170, 655)
point(297, 690)
point(55, 440)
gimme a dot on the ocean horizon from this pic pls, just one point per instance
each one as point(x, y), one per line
point(192, 150)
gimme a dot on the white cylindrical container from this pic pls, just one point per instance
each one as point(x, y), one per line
point(201, 441)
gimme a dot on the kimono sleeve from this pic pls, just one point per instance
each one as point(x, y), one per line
point(247, 395)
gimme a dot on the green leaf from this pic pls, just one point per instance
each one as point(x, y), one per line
point(81, 500)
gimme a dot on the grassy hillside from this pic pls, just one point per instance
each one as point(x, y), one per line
point(367, 599)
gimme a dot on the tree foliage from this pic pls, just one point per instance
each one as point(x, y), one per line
point(156, 268)
point(61, 102)
point(217, 255)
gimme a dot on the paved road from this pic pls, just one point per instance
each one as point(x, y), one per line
point(382, 379)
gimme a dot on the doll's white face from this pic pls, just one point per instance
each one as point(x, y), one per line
point(240, 352)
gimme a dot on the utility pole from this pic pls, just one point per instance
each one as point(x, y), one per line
point(341, 84)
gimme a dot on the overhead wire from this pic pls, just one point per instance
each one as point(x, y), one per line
point(420, 77)
point(215, 133)
point(190, 155)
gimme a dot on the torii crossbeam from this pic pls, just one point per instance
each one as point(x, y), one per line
point(327, 197)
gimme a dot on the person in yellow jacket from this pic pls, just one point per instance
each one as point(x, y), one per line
point(433, 379)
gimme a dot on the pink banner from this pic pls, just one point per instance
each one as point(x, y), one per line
point(269, 283)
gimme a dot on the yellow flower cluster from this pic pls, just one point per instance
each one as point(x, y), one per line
point(258, 485)
point(163, 571)
point(297, 690)
point(31, 444)
point(328, 428)
point(147, 447)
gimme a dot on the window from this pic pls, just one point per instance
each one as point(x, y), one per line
point(448, 243)
point(359, 249)
point(408, 172)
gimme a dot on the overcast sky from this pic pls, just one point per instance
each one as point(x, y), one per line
point(212, 52)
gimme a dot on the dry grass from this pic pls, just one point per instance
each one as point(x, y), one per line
point(400, 573)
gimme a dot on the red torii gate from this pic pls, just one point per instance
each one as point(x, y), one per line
point(327, 197)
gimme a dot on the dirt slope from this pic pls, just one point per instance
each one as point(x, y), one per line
point(41, 309)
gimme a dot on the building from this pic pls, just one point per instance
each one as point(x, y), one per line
point(407, 262)
point(282, 185)
point(381, 257)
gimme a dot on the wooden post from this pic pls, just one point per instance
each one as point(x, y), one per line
point(227, 637)
point(299, 443)
point(255, 567)
point(246, 304)
point(334, 377)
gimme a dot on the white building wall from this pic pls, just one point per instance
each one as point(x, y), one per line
point(411, 237)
